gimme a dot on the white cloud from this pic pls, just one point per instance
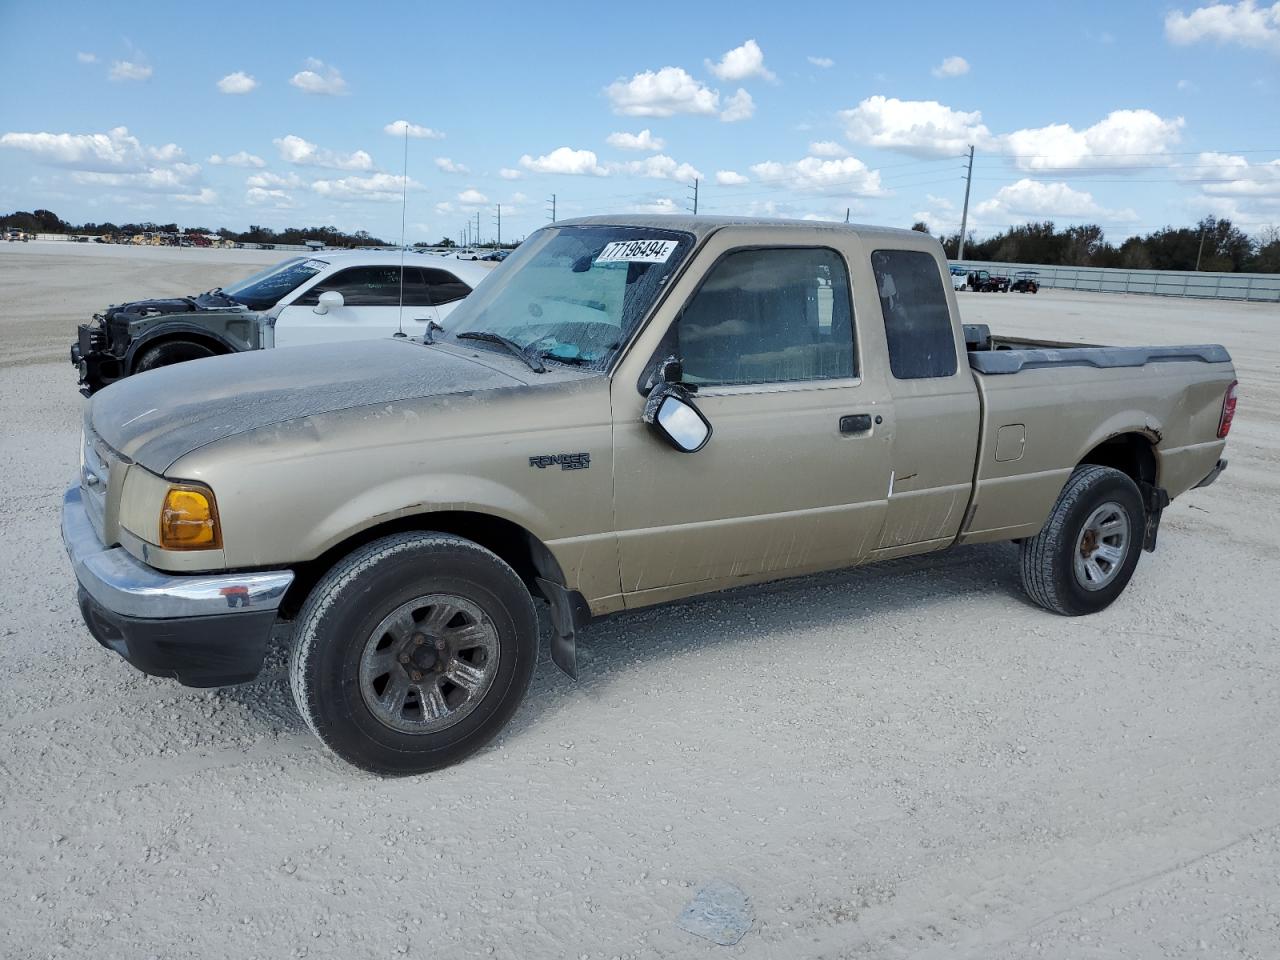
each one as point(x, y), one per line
point(923, 128)
point(738, 107)
point(127, 70)
point(1033, 199)
point(267, 180)
point(383, 187)
point(242, 159)
point(1244, 23)
point(826, 63)
point(396, 128)
point(847, 175)
point(1187, 86)
point(445, 165)
point(444, 206)
point(1124, 139)
point(660, 205)
point(116, 149)
point(204, 197)
point(507, 173)
point(567, 161)
point(319, 78)
point(644, 140)
point(1235, 176)
point(730, 178)
point(261, 196)
point(951, 67)
point(471, 197)
point(659, 167)
point(827, 148)
point(742, 62)
point(87, 57)
point(518, 197)
point(662, 93)
point(305, 153)
point(237, 83)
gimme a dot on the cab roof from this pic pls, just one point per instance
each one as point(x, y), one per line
point(703, 226)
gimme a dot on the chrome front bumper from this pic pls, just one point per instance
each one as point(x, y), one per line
point(130, 588)
point(204, 630)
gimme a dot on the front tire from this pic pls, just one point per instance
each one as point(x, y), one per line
point(171, 352)
point(1084, 556)
point(413, 652)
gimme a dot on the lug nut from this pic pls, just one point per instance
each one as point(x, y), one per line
point(404, 658)
point(416, 675)
point(440, 644)
point(419, 639)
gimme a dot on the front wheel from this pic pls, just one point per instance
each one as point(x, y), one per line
point(1085, 554)
point(413, 652)
point(170, 352)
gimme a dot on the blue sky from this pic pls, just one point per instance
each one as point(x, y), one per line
point(1131, 114)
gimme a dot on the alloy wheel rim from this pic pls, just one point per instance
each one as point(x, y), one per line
point(1102, 545)
point(429, 663)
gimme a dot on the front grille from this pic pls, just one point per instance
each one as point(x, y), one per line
point(95, 476)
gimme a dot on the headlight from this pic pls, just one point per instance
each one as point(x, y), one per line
point(189, 518)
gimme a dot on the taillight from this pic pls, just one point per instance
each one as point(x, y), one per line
point(1228, 410)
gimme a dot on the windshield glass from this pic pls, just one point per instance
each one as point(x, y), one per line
point(574, 294)
point(264, 289)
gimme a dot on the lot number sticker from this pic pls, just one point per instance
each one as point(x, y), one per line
point(637, 251)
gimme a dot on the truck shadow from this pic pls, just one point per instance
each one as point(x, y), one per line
point(625, 642)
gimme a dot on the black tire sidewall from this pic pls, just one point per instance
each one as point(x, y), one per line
point(166, 354)
point(1111, 486)
point(331, 675)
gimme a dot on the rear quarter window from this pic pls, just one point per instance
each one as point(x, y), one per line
point(917, 322)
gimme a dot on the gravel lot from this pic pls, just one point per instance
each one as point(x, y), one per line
point(907, 760)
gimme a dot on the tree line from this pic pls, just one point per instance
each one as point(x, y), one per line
point(46, 221)
point(1211, 245)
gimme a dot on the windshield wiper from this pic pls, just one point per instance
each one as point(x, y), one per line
point(536, 365)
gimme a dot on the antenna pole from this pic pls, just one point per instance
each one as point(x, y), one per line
point(404, 203)
point(964, 217)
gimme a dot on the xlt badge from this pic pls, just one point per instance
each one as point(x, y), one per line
point(567, 461)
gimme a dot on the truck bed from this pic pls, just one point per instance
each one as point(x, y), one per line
point(995, 355)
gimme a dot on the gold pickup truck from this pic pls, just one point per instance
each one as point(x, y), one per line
point(628, 411)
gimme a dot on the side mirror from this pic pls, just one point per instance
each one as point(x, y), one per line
point(327, 301)
point(671, 413)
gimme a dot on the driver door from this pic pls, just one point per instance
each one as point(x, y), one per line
point(370, 307)
point(795, 475)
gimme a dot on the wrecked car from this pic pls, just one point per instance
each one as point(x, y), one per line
point(319, 298)
point(629, 411)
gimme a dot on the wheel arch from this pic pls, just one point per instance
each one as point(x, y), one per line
point(1132, 452)
point(526, 554)
point(165, 335)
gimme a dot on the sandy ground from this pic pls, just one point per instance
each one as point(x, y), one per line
point(902, 761)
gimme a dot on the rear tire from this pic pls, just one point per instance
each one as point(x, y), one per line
point(170, 352)
point(413, 652)
point(1083, 557)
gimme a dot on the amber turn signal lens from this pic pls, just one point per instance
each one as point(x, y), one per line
point(189, 520)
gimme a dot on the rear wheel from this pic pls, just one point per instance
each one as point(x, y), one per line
point(1085, 554)
point(413, 652)
point(170, 352)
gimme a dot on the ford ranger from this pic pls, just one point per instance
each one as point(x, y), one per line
point(631, 410)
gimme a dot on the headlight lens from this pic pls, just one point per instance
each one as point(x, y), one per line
point(189, 519)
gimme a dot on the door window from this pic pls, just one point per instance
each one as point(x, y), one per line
point(917, 321)
point(443, 287)
point(372, 287)
point(769, 316)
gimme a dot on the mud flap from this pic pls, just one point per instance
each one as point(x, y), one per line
point(569, 610)
point(1154, 500)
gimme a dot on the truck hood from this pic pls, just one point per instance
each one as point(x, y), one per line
point(155, 418)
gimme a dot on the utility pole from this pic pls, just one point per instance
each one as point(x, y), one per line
point(551, 204)
point(499, 221)
point(846, 214)
point(1200, 252)
point(694, 196)
point(964, 217)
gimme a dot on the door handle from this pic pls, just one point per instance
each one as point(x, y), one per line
point(855, 423)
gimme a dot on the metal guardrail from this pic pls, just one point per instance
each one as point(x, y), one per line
point(1261, 287)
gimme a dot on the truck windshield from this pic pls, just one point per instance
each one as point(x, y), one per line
point(574, 294)
point(263, 290)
